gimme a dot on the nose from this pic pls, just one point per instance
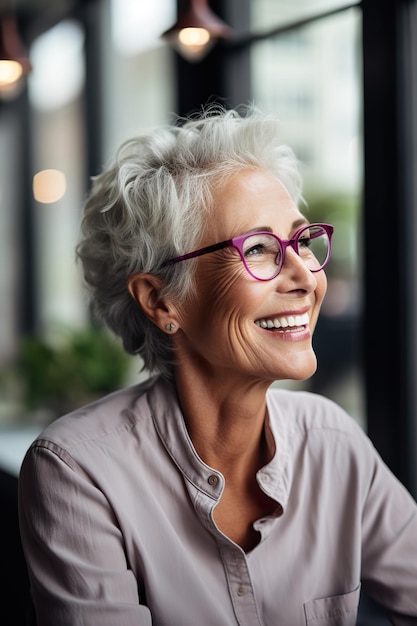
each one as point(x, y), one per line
point(296, 271)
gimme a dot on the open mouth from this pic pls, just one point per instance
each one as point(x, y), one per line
point(285, 323)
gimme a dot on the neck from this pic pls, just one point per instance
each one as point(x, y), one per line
point(226, 422)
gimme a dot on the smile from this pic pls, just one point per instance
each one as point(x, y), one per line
point(292, 321)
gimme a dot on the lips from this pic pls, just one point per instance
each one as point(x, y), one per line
point(289, 321)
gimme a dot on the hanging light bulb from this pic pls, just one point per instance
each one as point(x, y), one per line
point(196, 31)
point(14, 61)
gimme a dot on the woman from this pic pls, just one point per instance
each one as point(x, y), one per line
point(202, 496)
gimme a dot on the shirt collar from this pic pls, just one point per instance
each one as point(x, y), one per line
point(170, 425)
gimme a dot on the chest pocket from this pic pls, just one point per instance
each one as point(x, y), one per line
point(335, 611)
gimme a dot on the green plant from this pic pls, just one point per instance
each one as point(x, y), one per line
point(75, 367)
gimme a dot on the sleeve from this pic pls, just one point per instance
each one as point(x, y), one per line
point(389, 545)
point(74, 548)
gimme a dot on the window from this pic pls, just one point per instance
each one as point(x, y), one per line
point(311, 76)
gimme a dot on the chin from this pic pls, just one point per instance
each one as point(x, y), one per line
point(307, 368)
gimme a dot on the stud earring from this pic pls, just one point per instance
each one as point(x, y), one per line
point(169, 327)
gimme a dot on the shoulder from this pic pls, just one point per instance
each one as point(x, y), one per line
point(108, 419)
point(308, 410)
point(109, 447)
point(315, 420)
point(322, 444)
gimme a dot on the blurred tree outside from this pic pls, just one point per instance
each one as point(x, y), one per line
point(65, 371)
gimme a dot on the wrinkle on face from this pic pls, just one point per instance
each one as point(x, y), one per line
point(218, 330)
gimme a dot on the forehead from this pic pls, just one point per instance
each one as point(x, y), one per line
point(251, 199)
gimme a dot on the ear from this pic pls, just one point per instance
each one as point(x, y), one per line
point(145, 289)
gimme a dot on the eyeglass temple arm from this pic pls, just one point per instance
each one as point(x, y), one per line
point(192, 255)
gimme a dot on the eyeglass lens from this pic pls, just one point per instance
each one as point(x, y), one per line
point(263, 253)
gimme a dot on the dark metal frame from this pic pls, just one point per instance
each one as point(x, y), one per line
point(389, 337)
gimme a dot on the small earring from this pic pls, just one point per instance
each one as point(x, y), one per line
point(169, 327)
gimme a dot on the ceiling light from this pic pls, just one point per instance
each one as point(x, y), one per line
point(196, 31)
point(14, 61)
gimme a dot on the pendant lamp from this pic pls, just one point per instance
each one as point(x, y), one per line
point(14, 60)
point(196, 31)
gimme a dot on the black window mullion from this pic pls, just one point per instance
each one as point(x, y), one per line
point(388, 286)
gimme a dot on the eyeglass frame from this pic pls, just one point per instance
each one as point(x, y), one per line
point(237, 243)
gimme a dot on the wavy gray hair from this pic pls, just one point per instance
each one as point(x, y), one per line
point(152, 203)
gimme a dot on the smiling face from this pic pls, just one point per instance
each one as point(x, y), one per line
point(236, 326)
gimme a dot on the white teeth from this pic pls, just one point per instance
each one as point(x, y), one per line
point(284, 322)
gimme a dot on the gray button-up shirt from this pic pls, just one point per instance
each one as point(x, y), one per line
point(116, 514)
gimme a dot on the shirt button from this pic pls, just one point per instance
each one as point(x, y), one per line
point(213, 480)
point(241, 590)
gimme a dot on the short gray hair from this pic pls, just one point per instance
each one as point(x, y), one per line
point(152, 203)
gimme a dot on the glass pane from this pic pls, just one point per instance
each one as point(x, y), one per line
point(311, 78)
point(267, 14)
point(56, 95)
point(137, 26)
point(139, 76)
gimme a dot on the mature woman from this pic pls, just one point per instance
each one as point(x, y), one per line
point(203, 496)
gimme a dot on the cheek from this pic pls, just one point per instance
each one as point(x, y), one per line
point(220, 297)
point(321, 287)
point(220, 282)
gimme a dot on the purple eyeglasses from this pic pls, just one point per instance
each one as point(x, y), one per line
point(263, 253)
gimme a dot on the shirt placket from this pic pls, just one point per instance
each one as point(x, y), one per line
point(240, 587)
point(239, 582)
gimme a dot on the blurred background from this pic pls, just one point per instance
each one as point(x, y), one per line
point(342, 78)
